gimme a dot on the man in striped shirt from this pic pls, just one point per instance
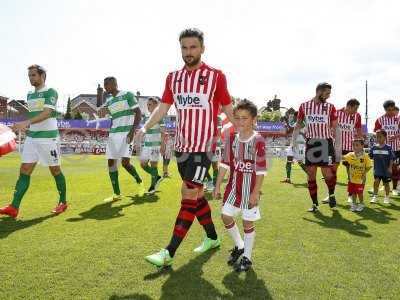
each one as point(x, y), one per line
point(199, 92)
point(41, 143)
point(125, 118)
point(349, 125)
point(390, 123)
point(320, 120)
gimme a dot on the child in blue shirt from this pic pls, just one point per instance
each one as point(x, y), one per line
point(383, 157)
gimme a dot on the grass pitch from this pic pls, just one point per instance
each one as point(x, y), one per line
point(96, 250)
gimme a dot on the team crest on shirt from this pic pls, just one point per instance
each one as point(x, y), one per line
point(203, 80)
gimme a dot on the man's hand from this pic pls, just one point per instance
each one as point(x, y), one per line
point(139, 135)
point(21, 126)
point(129, 137)
point(216, 192)
point(254, 197)
point(162, 149)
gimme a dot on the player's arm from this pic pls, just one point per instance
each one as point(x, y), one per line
point(228, 110)
point(163, 140)
point(255, 195)
point(136, 122)
point(222, 170)
point(261, 171)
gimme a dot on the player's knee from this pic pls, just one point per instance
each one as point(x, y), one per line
point(56, 170)
point(227, 220)
point(26, 169)
point(248, 225)
point(125, 163)
point(111, 163)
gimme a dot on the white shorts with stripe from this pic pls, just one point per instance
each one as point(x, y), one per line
point(45, 152)
point(252, 214)
point(117, 146)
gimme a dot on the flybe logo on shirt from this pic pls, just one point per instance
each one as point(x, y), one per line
point(346, 127)
point(244, 166)
point(317, 119)
point(191, 100)
point(36, 105)
point(390, 127)
point(118, 106)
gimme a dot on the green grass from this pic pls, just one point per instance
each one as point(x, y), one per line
point(96, 250)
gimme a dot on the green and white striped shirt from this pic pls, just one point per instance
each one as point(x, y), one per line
point(37, 101)
point(121, 109)
point(152, 138)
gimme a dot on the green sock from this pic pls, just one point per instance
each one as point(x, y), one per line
point(288, 170)
point(114, 182)
point(303, 167)
point(147, 169)
point(61, 187)
point(132, 170)
point(21, 187)
point(154, 175)
point(215, 175)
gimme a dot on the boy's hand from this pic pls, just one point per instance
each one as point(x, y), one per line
point(253, 201)
point(216, 193)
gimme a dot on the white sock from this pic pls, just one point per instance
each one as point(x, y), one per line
point(248, 243)
point(235, 235)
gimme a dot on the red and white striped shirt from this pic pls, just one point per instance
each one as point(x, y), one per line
point(348, 124)
point(318, 118)
point(198, 96)
point(245, 160)
point(391, 125)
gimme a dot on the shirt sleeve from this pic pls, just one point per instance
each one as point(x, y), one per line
point(227, 155)
point(261, 162)
point(346, 158)
point(50, 100)
point(221, 94)
point(333, 115)
point(378, 125)
point(368, 162)
point(300, 115)
point(132, 101)
point(371, 152)
point(167, 96)
point(358, 121)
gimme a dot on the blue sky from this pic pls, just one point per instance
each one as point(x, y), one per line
point(264, 47)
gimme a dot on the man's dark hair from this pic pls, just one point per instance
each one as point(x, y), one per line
point(110, 78)
point(38, 69)
point(396, 108)
point(353, 102)
point(388, 103)
point(192, 32)
point(247, 105)
point(322, 86)
point(381, 131)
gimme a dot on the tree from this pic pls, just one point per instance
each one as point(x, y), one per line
point(78, 116)
point(68, 115)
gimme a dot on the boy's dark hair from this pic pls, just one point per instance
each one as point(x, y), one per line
point(38, 69)
point(353, 102)
point(153, 99)
point(247, 105)
point(361, 141)
point(192, 32)
point(396, 108)
point(388, 103)
point(110, 78)
point(382, 131)
point(323, 86)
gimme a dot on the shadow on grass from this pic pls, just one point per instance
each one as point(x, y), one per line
point(145, 199)
point(300, 185)
point(248, 288)
point(188, 283)
point(338, 222)
point(375, 214)
point(9, 225)
point(130, 297)
point(103, 211)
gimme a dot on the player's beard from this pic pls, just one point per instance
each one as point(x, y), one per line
point(192, 63)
